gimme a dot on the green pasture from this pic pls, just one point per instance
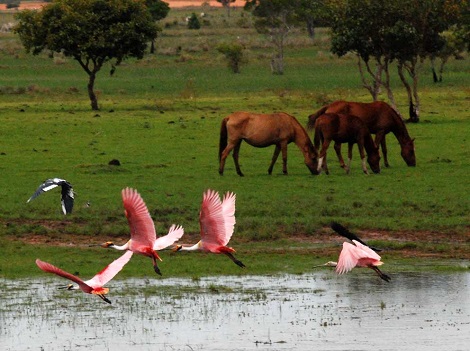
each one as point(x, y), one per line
point(160, 117)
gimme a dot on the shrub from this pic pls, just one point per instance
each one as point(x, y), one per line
point(234, 55)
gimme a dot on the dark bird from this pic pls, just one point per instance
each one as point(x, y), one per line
point(67, 192)
point(338, 228)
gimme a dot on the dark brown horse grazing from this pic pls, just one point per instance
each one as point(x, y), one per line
point(349, 129)
point(381, 119)
point(261, 130)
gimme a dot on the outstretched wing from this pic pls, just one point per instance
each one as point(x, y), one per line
point(211, 219)
point(174, 234)
point(110, 271)
point(341, 230)
point(67, 197)
point(351, 254)
point(228, 212)
point(46, 186)
point(140, 223)
point(49, 268)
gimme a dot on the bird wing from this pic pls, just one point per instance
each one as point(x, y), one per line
point(351, 254)
point(174, 234)
point(110, 271)
point(49, 268)
point(46, 186)
point(341, 230)
point(228, 212)
point(211, 219)
point(140, 223)
point(67, 197)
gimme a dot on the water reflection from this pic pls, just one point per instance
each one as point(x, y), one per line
point(318, 311)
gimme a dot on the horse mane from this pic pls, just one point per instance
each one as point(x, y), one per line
point(399, 122)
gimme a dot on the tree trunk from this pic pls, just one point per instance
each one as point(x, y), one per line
point(374, 86)
point(91, 92)
point(413, 105)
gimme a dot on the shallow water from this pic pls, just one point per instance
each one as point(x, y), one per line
point(318, 311)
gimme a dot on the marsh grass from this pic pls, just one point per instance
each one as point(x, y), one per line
point(160, 117)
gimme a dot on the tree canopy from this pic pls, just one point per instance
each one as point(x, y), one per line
point(92, 32)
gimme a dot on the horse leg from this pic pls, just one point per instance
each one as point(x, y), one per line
point(284, 157)
point(236, 151)
point(380, 140)
point(360, 145)
point(340, 157)
point(277, 150)
point(350, 151)
point(224, 155)
point(322, 155)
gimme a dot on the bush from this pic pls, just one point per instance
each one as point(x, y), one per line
point(193, 22)
point(234, 55)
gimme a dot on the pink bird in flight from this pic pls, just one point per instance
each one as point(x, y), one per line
point(96, 284)
point(357, 254)
point(217, 221)
point(143, 239)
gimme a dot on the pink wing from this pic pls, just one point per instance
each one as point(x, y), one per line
point(228, 212)
point(174, 234)
point(49, 268)
point(140, 223)
point(351, 254)
point(211, 219)
point(110, 271)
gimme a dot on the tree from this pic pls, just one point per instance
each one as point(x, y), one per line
point(314, 13)
point(92, 32)
point(275, 18)
point(159, 10)
point(226, 4)
point(234, 55)
point(193, 22)
point(384, 31)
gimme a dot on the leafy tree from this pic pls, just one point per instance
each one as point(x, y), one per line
point(314, 13)
point(92, 32)
point(234, 55)
point(275, 18)
point(380, 32)
point(159, 10)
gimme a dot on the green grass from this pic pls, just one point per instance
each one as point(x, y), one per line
point(161, 117)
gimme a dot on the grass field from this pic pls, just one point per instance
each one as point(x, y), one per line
point(160, 117)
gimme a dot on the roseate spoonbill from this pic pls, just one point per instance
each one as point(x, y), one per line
point(357, 255)
point(67, 192)
point(96, 284)
point(338, 228)
point(217, 220)
point(143, 235)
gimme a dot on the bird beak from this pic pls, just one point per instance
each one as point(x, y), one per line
point(177, 248)
point(66, 287)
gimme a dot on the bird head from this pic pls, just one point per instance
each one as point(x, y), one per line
point(177, 248)
point(107, 244)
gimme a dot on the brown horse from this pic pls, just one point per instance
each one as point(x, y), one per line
point(381, 119)
point(349, 129)
point(262, 130)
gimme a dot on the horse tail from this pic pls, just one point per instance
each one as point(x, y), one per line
point(313, 117)
point(223, 137)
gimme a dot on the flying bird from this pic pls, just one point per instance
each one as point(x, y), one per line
point(358, 255)
point(341, 230)
point(217, 221)
point(96, 284)
point(143, 239)
point(67, 194)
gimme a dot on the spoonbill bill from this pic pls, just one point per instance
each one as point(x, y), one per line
point(67, 194)
point(96, 284)
point(217, 221)
point(143, 239)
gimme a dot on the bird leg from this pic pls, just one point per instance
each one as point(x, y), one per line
point(104, 298)
point(381, 274)
point(237, 262)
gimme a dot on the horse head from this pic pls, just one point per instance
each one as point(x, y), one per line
point(373, 158)
point(408, 152)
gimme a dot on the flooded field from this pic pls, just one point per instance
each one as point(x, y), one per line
point(318, 311)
